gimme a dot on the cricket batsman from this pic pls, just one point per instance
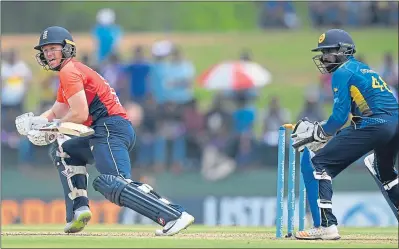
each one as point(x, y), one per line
point(361, 95)
point(85, 97)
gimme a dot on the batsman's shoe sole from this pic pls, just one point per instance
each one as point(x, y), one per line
point(176, 226)
point(79, 223)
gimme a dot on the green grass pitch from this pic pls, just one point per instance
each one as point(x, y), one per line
point(124, 236)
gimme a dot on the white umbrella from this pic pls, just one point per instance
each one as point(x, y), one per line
point(235, 75)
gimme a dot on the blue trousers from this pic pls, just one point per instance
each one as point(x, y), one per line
point(380, 133)
point(108, 148)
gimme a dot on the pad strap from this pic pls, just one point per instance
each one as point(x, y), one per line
point(77, 193)
point(70, 171)
point(321, 176)
point(392, 184)
point(324, 203)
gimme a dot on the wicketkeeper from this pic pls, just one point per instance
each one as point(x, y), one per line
point(361, 92)
point(85, 97)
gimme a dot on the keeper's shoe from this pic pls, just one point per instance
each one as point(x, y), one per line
point(175, 226)
point(319, 233)
point(81, 217)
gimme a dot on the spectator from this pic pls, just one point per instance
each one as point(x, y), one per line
point(243, 116)
point(107, 34)
point(363, 12)
point(111, 70)
point(325, 88)
point(279, 15)
point(275, 116)
point(179, 83)
point(159, 70)
point(312, 109)
point(16, 77)
point(317, 11)
point(135, 113)
point(389, 72)
point(170, 135)
point(138, 71)
point(352, 13)
point(384, 12)
point(243, 124)
point(326, 13)
point(245, 55)
point(148, 133)
point(393, 15)
point(48, 91)
point(291, 19)
point(194, 122)
point(217, 118)
point(218, 154)
point(251, 93)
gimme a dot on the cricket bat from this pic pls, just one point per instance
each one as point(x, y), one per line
point(69, 128)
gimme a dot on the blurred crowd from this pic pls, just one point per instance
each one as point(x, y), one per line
point(283, 14)
point(155, 86)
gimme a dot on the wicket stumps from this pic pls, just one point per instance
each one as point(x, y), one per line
point(291, 187)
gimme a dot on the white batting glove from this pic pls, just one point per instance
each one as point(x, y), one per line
point(28, 121)
point(41, 138)
point(52, 125)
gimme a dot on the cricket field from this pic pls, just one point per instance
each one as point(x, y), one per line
point(126, 236)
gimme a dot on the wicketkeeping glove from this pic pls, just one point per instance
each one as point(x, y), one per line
point(306, 132)
point(319, 134)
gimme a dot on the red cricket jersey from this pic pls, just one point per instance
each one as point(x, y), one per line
point(101, 98)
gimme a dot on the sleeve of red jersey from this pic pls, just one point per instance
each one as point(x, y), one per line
point(72, 81)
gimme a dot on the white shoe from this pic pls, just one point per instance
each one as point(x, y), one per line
point(323, 233)
point(175, 226)
point(80, 219)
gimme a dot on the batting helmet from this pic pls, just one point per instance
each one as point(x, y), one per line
point(56, 35)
